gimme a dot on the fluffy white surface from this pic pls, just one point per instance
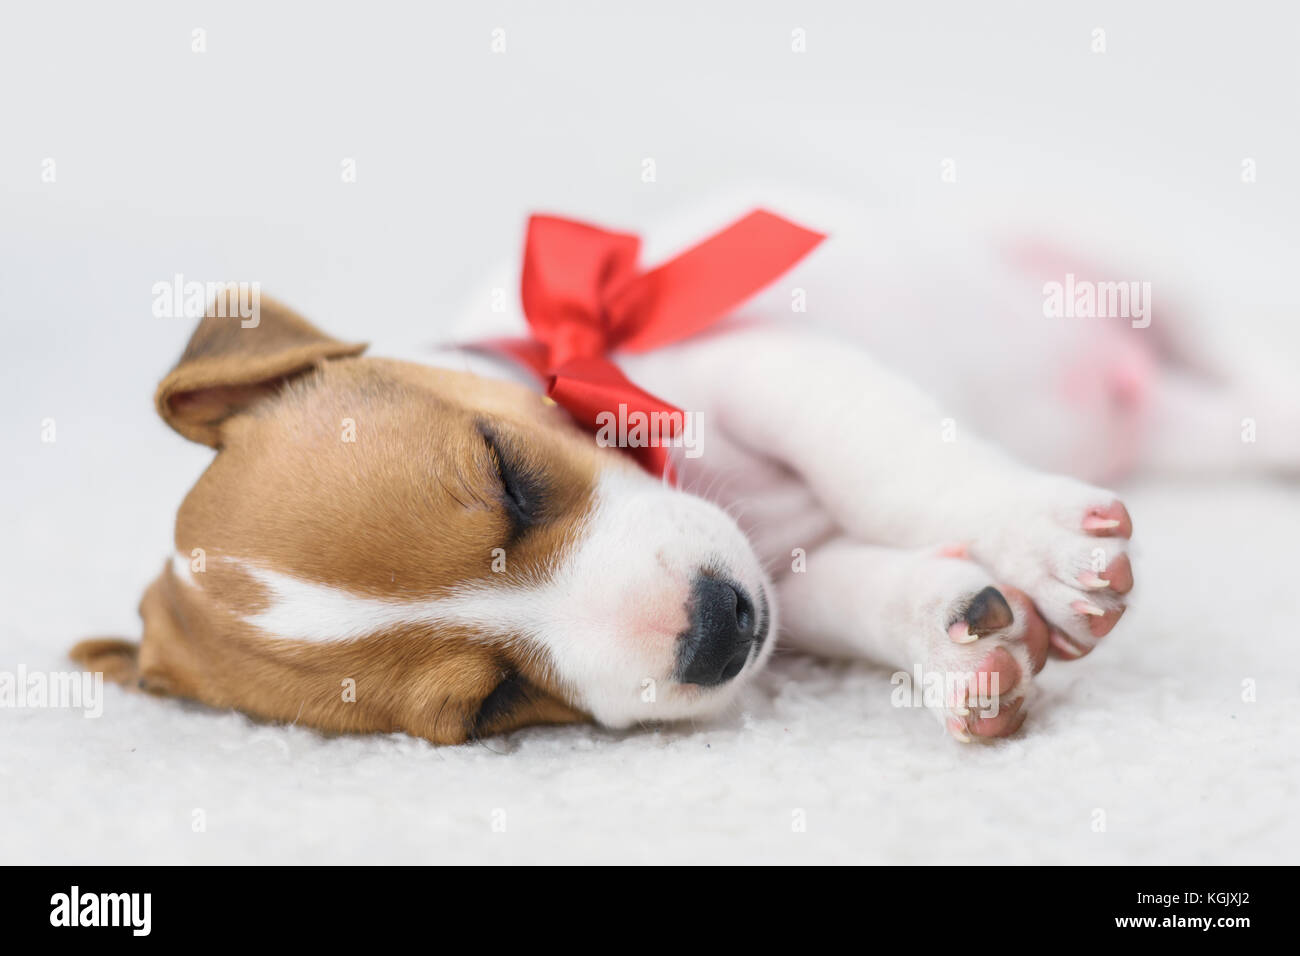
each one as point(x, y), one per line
point(225, 165)
point(1151, 729)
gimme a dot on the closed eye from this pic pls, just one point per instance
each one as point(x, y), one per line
point(522, 489)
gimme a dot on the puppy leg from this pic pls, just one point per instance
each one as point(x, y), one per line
point(880, 457)
point(973, 644)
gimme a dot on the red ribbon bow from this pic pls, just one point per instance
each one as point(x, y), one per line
point(585, 298)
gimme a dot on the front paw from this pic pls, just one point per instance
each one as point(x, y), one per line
point(976, 647)
point(1065, 544)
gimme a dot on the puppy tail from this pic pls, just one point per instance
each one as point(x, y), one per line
point(118, 660)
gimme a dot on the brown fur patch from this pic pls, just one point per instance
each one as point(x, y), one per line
point(374, 477)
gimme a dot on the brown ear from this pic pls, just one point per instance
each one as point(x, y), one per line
point(232, 362)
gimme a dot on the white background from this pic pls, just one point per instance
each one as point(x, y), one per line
point(226, 164)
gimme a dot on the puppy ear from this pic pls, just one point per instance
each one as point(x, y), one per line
point(228, 365)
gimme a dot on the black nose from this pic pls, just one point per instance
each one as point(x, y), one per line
point(723, 629)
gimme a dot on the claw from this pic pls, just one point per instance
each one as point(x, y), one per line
point(1087, 607)
point(1064, 646)
point(960, 633)
point(1094, 581)
point(957, 728)
point(1093, 523)
point(956, 703)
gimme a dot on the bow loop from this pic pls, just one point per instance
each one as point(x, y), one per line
point(571, 272)
point(585, 298)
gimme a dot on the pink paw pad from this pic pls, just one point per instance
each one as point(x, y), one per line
point(998, 671)
point(1002, 724)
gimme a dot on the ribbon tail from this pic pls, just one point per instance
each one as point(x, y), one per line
point(603, 400)
point(691, 292)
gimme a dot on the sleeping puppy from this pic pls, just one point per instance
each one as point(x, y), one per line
point(428, 546)
point(470, 563)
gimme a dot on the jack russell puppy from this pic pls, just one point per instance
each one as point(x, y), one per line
point(434, 547)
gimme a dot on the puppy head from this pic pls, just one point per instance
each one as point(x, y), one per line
point(451, 549)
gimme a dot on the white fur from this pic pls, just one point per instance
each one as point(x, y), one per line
point(900, 604)
point(870, 450)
